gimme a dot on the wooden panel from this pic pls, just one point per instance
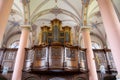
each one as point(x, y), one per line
point(56, 57)
point(111, 61)
point(9, 58)
point(1, 55)
point(40, 64)
point(82, 60)
point(9, 64)
point(100, 59)
point(29, 59)
point(71, 59)
point(40, 59)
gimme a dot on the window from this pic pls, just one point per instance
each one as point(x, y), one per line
point(15, 44)
point(95, 45)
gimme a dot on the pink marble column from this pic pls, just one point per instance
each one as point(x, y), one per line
point(90, 55)
point(17, 74)
point(5, 8)
point(112, 28)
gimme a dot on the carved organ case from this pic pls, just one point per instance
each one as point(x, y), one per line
point(71, 58)
point(40, 58)
point(58, 53)
point(56, 57)
point(55, 34)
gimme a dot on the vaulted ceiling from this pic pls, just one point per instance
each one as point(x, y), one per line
point(40, 12)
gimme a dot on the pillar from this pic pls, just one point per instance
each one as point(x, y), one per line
point(112, 28)
point(89, 54)
point(5, 8)
point(17, 73)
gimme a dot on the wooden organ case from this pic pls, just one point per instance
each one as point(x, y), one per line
point(60, 54)
point(55, 54)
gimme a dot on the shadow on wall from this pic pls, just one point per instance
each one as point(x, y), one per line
point(57, 78)
point(110, 78)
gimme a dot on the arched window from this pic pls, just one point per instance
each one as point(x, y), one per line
point(95, 45)
point(15, 44)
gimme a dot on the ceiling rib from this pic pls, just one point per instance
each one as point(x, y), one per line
point(63, 11)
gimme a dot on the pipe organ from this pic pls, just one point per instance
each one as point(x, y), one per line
point(59, 54)
point(55, 52)
point(56, 34)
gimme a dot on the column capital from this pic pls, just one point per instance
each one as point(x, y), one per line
point(84, 28)
point(26, 27)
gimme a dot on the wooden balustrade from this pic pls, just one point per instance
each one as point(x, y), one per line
point(65, 58)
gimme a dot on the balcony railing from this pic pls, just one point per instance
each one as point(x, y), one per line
point(57, 58)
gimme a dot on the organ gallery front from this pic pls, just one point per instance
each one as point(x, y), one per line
point(55, 57)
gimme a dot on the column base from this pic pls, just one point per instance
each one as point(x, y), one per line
point(118, 77)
